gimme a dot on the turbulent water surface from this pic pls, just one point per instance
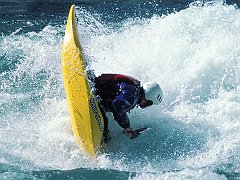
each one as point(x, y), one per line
point(191, 48)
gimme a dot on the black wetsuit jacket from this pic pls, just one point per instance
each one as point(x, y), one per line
point(118, 94)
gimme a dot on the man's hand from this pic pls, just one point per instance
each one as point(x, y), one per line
point(131, 133)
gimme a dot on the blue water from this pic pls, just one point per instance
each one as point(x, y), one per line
point(191, 48)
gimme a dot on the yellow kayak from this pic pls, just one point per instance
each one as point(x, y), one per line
point(86, 118)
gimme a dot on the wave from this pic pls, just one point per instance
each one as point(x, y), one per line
point(193, 54)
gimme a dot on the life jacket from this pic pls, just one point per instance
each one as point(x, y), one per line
point(117, 78)
point(107, 88)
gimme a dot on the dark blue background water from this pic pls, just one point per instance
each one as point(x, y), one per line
point(114, 11)
point(187, 46)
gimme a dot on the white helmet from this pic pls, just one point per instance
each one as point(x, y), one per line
point(153, 92)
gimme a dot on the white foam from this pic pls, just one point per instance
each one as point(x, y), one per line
point(178, 175)
point(193, 54)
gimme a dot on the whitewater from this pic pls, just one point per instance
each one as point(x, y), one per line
point(194, 54)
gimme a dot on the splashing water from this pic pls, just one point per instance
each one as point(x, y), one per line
point(194, 54)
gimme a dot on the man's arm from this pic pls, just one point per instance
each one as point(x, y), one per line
point(119, 112)
point(122, 103)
